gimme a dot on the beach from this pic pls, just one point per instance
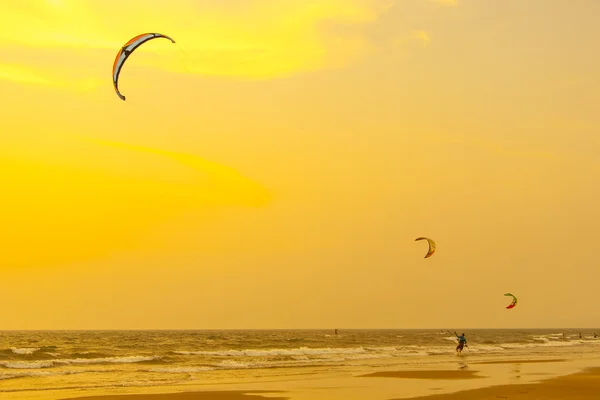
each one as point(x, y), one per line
point(584, 385)
point(580, 386)
point(290, 364)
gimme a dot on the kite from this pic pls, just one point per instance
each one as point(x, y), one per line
point(431, 246)
point(514, 302)
point(126, 51)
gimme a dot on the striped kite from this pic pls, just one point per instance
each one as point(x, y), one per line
point(126, 51)
point(431, 246)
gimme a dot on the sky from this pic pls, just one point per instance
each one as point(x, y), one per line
point(273, 167)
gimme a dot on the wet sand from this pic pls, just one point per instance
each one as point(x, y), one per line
point(518, 361)
point(581, 386)
point(212, 395)
point(435, 375)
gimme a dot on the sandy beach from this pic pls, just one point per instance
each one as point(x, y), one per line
point(584, 385)
point(581, 386)
point(443, 374)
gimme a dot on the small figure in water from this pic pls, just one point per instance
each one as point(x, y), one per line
point(595, 336)
point(579, 335)
point(462, 341)
point(336, 331)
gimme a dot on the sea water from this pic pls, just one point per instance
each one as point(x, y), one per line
point(75, 361)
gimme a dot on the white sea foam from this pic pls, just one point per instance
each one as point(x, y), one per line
point(106, 360)
point(27, 364)
point(305, 354)
point(231, 364)
point(538, 345)
point(25, 350)
point(179, 370)
point(75, 361)
point(275, 352)
point(30, 374)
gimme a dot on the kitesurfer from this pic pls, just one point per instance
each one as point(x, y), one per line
point(462, 341)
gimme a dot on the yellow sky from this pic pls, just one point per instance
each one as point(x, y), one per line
point(273, 168)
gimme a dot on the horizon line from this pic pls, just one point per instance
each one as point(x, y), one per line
point(283, 329)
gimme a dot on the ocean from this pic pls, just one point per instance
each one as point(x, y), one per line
point(76, 361)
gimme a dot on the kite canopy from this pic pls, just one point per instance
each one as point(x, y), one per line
point(514, 302)
point(126, 51)
point(431, 246)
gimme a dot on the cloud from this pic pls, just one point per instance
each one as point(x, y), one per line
point(252, 39)
point(497, 148)
point(422, 36)
point(26, 75)
point(224, 180)
point(110, 200)
point(449, 3)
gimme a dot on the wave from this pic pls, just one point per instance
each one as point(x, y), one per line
point(364, 352)
point(179, 370)
point(26, 364)
point(34, 374)
point(548, 344)
point(274, 352)
point(24, 350)
point(75, 361)
point(236, 364)
point(271, 357)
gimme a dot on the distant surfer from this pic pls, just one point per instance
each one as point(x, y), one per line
point(336, 331)
point(462, 341)
point(579, 335)
point(595, 336)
